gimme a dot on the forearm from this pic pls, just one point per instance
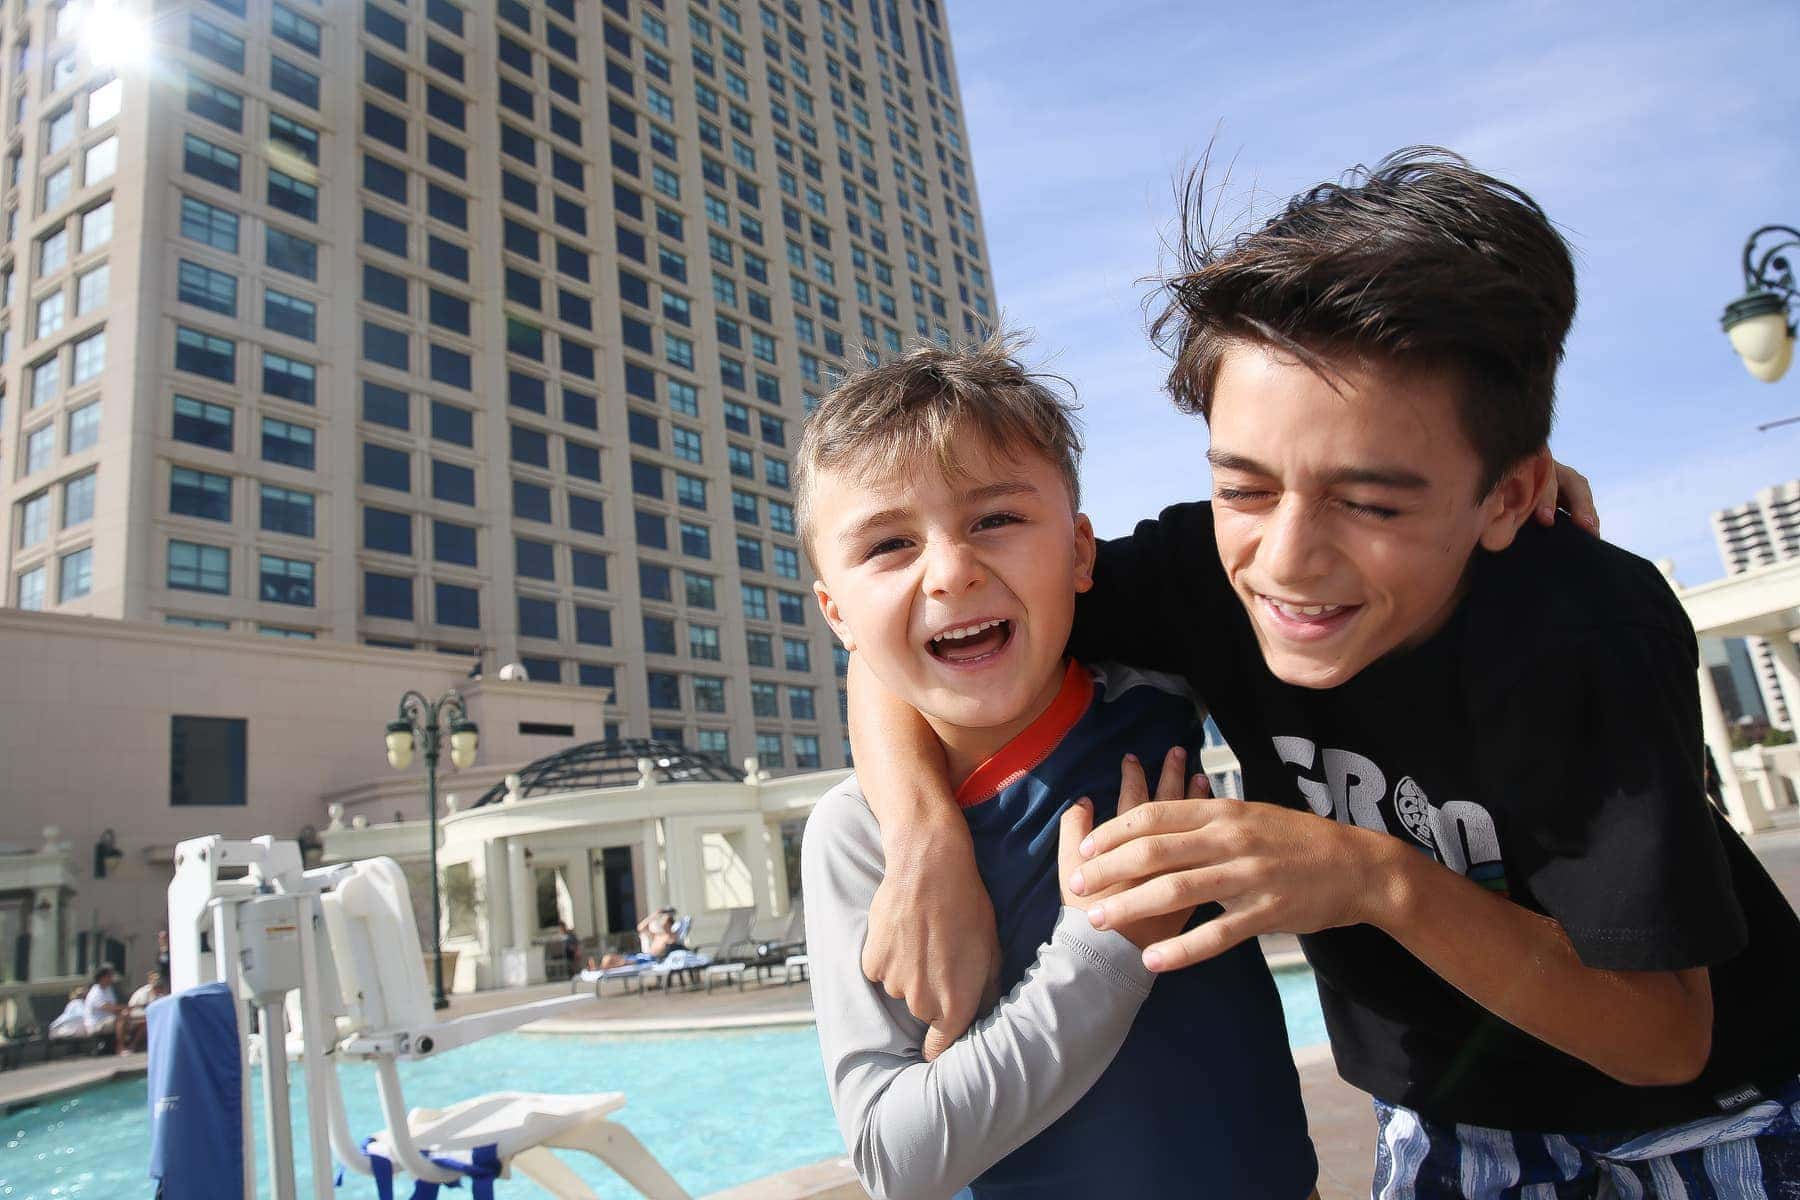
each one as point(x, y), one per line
point(918, 1128)
point(899, 764)
point(1640, 1027)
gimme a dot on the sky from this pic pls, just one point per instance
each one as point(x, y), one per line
point(1656, 135)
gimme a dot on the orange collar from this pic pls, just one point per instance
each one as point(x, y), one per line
point(1034, 744)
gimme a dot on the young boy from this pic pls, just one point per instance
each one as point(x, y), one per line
point(1537, 945)
point(937, 496)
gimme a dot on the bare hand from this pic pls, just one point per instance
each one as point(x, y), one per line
point(1271, 868)
point(1568, 489)
point(1078, 823)
point(931, 940)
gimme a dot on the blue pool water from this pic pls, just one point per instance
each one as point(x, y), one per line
point(718, 1109)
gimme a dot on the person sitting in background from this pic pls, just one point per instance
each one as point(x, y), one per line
point(155, 987)
point(656, 937)
point(72, 1021)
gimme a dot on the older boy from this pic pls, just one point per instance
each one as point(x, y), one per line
point(938, 501)
point(1536, 944)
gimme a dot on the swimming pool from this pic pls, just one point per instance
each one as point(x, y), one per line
point(718, 1109)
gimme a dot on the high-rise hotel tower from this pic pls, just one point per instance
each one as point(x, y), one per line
point(480, 326)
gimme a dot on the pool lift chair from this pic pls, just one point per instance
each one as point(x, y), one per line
point(334, 952)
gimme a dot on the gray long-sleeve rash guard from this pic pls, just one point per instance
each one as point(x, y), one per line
point(918, 1129)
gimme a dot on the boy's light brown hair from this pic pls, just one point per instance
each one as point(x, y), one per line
point(928, 406)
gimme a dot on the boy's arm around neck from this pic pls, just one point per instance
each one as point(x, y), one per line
point(931, 940)
point(918, 1128)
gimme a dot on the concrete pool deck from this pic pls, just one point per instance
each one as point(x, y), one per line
point(1342, 1124)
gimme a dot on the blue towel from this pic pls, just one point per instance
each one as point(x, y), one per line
point(482, 1169)
point(196, 1095)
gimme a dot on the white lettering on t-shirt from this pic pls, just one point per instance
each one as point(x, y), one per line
point(1349, 788)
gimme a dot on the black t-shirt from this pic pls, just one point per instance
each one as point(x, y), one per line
point(1545, 744)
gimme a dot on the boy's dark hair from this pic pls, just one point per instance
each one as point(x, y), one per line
point(1421, 258)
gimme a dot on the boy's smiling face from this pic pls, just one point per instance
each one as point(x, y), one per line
point(957, 590)
point(1346, 517)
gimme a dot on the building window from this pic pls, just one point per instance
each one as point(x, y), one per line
point(806, 750)
point(533, 559)
point(290, 315)
point(452, 482)
point(209, 225)
point(383, 466)
point(205, 354)
point(289, 378)
point(787, 562)
point(288, 444)
point(537, 618)
point(92, 289)
point(197, 568)
point(40, 448)
point(287, 511)
point(286, 580)
point(755, 601)
point(294, 196)
point(387, 531)
point(587, 569)
point(759, 649)
point(297, 83)
point(291, 253)
point(90, 358)
point(207, 761)
point(33, 589)
point(84, 427)
point(215, 164)
point(800, 704)
point(388, 595)
point(768, 749)
point(664, 688)
point(659, 635)
point(206, 288)
point(34, 520)
point(696, 540)
point(75, 575)
point(703, 642)
point(458, 606)
point(593, 626)
point(209, 41)
point(452, 543)
point(199, 494)
point(101, 161)
point(796, 654)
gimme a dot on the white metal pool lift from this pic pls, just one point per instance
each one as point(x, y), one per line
point(336, 950)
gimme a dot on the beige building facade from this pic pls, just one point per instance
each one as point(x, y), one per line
point(484, 329)
point(132, 736)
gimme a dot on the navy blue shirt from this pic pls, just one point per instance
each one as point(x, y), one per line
point(1202, 1098)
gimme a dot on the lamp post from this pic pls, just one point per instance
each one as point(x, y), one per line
point(423, 721)
point(1759, 322)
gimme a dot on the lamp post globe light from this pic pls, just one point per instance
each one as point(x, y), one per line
point(428, 724)
point(1759, 323)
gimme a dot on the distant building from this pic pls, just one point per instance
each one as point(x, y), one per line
point(1734, 675)
point(1758, 533)
point(479, 328)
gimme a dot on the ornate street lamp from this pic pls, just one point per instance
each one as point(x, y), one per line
point(1758, 322)
point(423, 722)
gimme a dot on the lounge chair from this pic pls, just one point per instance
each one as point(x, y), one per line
point(791, 941)
point(691, 965)
point(632, 972)
point(362, 994)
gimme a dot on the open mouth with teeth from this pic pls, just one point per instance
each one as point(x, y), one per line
point(971, 643)
point(1308, 621)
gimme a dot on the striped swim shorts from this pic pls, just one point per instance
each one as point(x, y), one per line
point(1753, 1152)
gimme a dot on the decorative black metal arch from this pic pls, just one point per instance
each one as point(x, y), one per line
point(615, 764)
